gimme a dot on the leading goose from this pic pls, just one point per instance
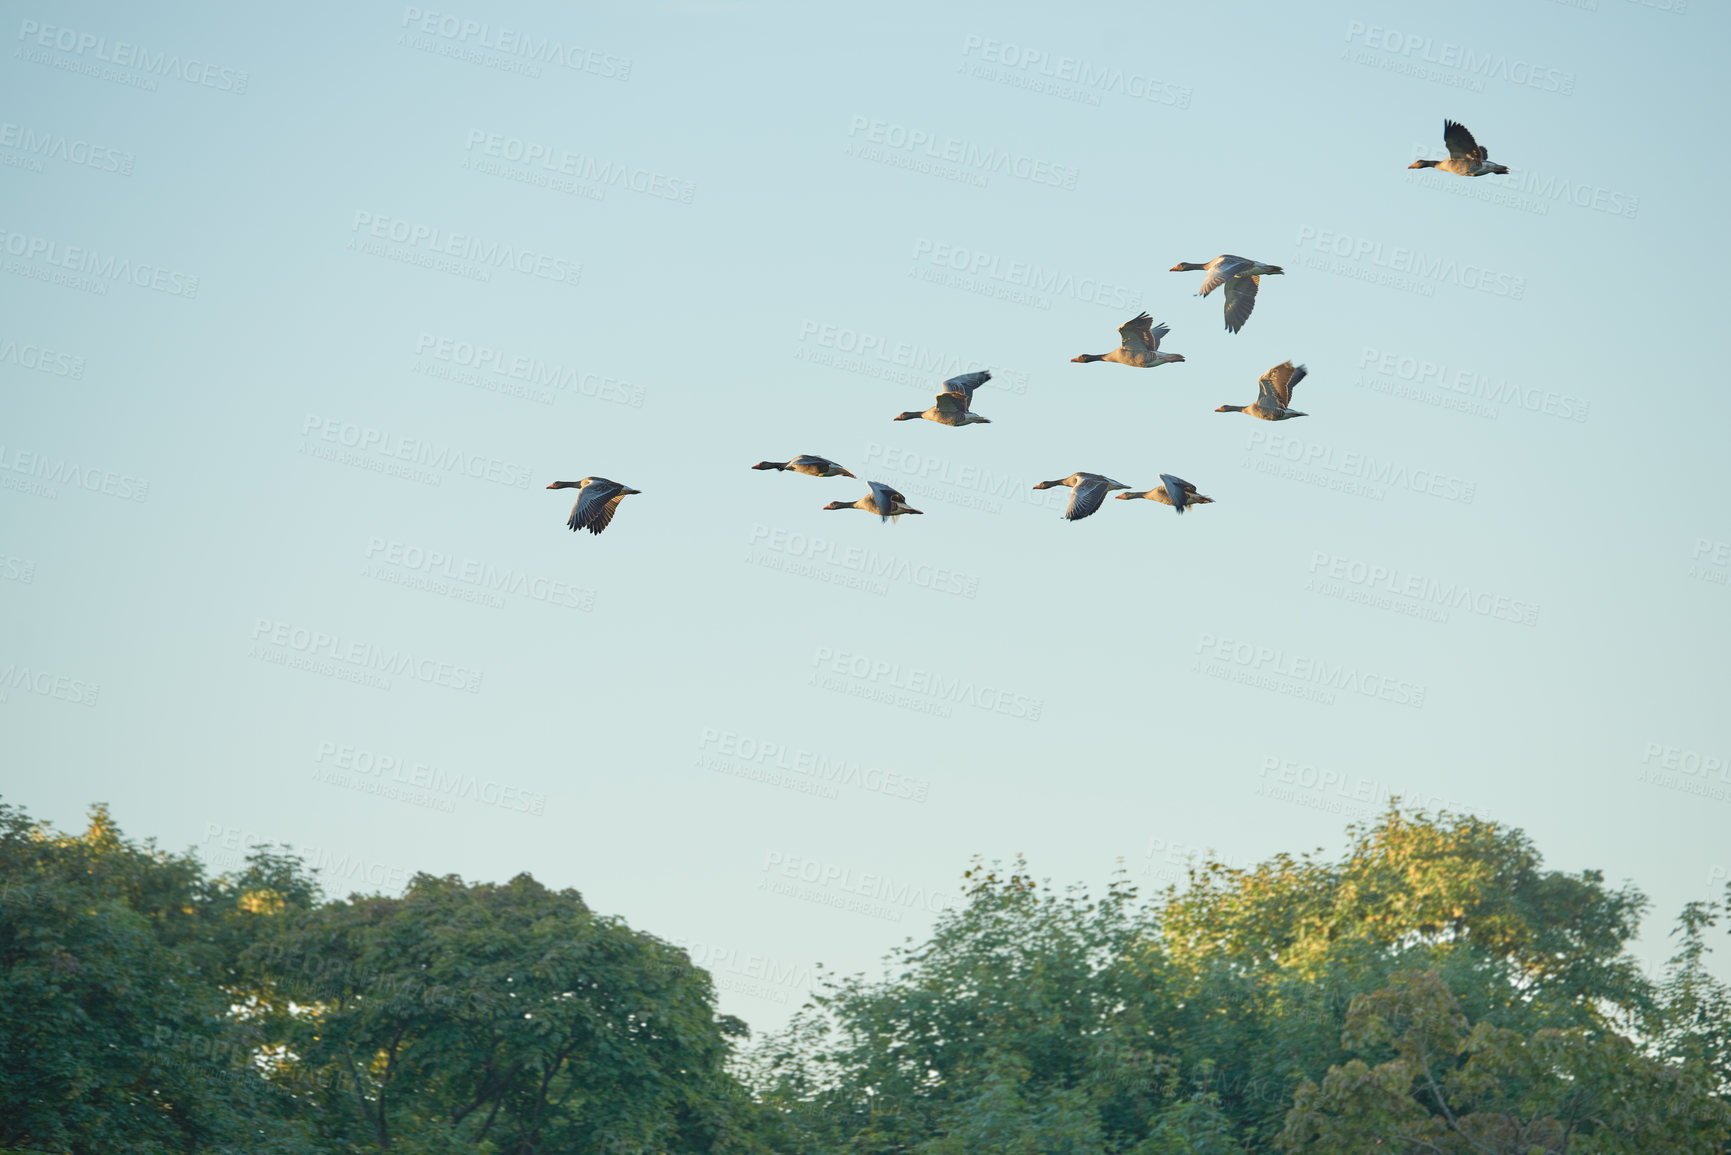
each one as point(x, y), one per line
point(882, 500)
point(954, 404)
point(1087, 491)
point(1173, 491)
point(1139, 345)
point(1467, 157)
point(809, 464)
point(1241, 276)
point(1273, 394)
point(597, 498)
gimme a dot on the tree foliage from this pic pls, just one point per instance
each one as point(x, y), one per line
point(1432, 989)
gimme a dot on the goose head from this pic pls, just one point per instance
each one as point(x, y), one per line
point(1086, 357)
point(839, 505)
point(910, 415)
point(1423, 164)
point(1186, 267)
point(566, 485)
point(1230, 409)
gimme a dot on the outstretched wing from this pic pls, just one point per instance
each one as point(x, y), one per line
point(1176, 485)
point(595, 506)
point(1085, 498)
point(884, 499)
point(1277, 384)
point(952, 404)
point(1221, 270)
point(1138, 336)
point(1461, 143)
point(1240, 300)
point(966, 383)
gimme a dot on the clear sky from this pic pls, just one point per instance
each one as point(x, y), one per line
point(304, 306)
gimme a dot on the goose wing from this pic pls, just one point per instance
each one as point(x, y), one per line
point(1277, 384)
point(952, 404)
point(1220, 271)
point(1240, 300)
point(1176, 485)
point(966, 383)
point(595, 505)
point(1461, 143)
point(884, 499)
point(1085, 497)
point(1138, 335)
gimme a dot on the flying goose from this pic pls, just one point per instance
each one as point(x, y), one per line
point(1273, 394)
point(1139, 345)
point(887, 503)
point(953, 403)
point(1467, 157)
point(597, 498)
point(1087, 491)
point(1240, 275)
point(1173, 491)
point(809, 464)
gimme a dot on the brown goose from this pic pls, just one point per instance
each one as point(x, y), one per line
point(597, 498)
point(1273, 394)
point(1173, 491)
point(953, 405)
point(1139, 345)
point(1241, 276)
point(1087, 491)
point(809, 464)
point(882, 500)
point(1467, 157)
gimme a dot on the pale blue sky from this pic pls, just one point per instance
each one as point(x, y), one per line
point(1130, 686)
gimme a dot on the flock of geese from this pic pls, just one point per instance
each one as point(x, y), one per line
point(1139, 347)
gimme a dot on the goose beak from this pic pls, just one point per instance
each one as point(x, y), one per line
point(1125, 496)
point(1178, 268)
point(1416, 164)
point(1074, 360)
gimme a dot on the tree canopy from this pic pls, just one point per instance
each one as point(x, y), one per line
point(1433, 988)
